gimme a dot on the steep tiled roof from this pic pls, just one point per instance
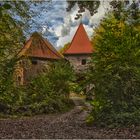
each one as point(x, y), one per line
point(80, 43)
point(39, 47)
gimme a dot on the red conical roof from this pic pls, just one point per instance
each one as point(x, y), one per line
point(80, 43)
point(39, 47)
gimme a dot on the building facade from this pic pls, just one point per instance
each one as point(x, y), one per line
point(36, 54)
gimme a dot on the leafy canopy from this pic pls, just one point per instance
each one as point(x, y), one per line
point(115, 72)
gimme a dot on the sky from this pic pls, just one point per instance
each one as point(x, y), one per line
point(59, 26)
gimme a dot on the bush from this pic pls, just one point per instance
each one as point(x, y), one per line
point(48, 92)
point(52, 87)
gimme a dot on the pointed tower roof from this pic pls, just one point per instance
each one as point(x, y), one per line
point(80, 43)
point(39, 47)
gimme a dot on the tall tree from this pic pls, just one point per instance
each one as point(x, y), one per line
point(115, 72)
point(62, 50)
point(127, 11)
point(14, 17)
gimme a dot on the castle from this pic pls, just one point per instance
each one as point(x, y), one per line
point(40, 52)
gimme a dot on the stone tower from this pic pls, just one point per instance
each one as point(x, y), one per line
point(79, 51)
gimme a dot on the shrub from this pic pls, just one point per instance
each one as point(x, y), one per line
point(48, 92)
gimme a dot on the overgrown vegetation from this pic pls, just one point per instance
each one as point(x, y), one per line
point(115, 72)
point(62, 50)
point(11, 39)
point(48, 92)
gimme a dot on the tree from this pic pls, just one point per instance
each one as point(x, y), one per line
point(115, 72)
point(14, 16)
point(11, 39)
point(62, 50)
point(126, 11)
point(48, 91)
point(119, 8)
point(92, 6)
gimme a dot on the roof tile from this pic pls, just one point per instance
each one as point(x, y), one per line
point(37, 46)
point(80, 43)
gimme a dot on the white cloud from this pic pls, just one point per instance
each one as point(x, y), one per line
point(89, 30)
point(70, 25)
point(63, 40)
point(67, 30)
point(63, 25)
point(95, 19)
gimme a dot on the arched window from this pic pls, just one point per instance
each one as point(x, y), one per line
point(19, 80)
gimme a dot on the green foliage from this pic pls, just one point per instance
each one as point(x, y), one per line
point(11, 39)
point(55, 81)
point(92, 6)
point(48, 92)
point(115, 72)
point(126, 11)
point(61, 75)
point(62, 50)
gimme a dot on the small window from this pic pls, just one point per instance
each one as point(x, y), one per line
point(19, 79)
point(20, 62)
point(84, 61)
point(34, 62)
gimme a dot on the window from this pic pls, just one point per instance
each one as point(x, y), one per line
point(34, 62)
point(19, 79)
point(84, 61)
point(20, 62)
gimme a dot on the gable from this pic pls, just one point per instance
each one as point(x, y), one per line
point(39, 47)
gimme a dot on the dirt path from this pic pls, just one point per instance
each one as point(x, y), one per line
point(68, 125)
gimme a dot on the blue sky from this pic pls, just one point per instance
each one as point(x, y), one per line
point(59, 26)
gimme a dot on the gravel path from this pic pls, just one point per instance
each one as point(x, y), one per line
point(68, 125)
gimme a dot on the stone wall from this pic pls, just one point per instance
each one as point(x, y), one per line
point(35, 67)
point(79, 62)
point(79, 67)
point(28, 68)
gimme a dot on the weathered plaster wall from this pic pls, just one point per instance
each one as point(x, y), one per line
point(76, 61)
point(34, 68)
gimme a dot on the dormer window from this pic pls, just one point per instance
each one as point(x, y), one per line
point(84, 61)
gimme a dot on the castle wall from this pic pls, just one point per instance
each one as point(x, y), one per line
point(79, 62)
point(28, 68)
point(35, 67)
